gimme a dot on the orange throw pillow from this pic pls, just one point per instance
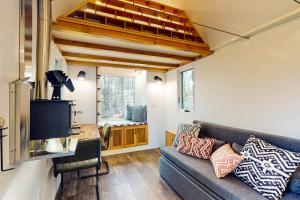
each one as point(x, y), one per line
point(225, 160)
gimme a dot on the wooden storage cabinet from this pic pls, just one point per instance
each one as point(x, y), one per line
point(141, 133)
point(128, 136)
point(170, 137)
point(116, 138)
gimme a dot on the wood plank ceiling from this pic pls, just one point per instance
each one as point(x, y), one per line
point(134, 34)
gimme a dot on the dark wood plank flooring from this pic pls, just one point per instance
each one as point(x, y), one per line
point(133, 176)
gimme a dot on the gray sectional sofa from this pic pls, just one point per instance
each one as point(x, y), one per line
point(194, 179)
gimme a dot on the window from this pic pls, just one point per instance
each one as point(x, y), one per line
point(115, 94)
point(187, 90)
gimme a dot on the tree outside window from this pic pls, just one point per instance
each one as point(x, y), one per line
point(115, 94)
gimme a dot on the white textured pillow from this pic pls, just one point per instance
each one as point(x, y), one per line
point(191, 130)
point(266, 167)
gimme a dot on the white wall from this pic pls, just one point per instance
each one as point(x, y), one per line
point(30, 180)
point(252, 84)
point(9, 71)
point(84, 94)
point(156, 109)
point(140, 88)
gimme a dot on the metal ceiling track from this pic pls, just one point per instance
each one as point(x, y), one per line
point(297, 1)
point(220, 30)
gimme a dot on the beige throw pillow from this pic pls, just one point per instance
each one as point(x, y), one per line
point(225, 160)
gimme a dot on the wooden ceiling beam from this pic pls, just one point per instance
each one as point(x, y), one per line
point(114, 59)
point(120, 49)
point(135, 12)
point(148, 7)
point(95, 29)
point(99, 64)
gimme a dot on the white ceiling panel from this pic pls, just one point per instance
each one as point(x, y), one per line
point(235, 16)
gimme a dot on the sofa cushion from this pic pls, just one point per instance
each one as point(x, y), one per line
point(218, 144)
point(225, 160)
point(267, 168)
point(189, 129)
point(290, 196)
point(198, 147)
point(237, 148)
point(202, 170)
point(240, 136)
point(294, 184)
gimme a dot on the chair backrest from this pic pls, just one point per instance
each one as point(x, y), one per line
point(106, 131)
point(106, 135)
point(85, 150)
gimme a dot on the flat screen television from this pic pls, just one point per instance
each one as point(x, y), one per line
point(50, 119)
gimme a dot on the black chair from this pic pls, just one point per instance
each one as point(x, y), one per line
point(106, 130)
point(87, 155)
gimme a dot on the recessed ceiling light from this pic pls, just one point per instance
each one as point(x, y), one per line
point(98, 2)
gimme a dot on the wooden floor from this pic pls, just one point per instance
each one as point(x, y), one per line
point(133, 176)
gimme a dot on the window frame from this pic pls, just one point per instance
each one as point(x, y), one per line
point(99, 85)
point(180, 92)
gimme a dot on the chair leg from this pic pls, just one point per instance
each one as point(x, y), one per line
point(78, 174)
point(62, 182)
point(98, 173)
point(107, 168)
point(97, 183)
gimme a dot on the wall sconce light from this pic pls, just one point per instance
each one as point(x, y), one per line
point(158, 79)
point(81, 75)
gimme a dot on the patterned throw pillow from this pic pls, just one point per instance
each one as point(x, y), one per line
point(225, 160)
point(189, 129)
point(198, 147)
point(267, 168)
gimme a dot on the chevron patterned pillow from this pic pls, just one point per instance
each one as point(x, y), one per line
point(197, 147)
point(267, 168)
point(225, 160)
point(189, 129)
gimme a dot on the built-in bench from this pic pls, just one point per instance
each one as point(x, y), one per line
point(125, 133)
point(120, 123)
